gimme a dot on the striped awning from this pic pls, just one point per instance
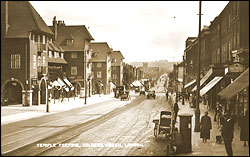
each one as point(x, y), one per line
point(236, 86)
point(210, 85)
point(190, 83)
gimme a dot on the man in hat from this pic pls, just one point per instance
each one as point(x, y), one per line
point(228, 133)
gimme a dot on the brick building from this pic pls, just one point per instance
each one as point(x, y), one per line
point(24, 44)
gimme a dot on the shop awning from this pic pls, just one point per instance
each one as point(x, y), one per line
point(55, 83)
point(190, 83)
point(210, 85)
point(204, 79)
point(236, 86)
point(136, 83)
point(57, 60)
point(61, 82)
point(68, 83)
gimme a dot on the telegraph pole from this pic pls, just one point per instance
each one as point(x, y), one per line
point(85, 76)
point(197, 109)
point(183, 90)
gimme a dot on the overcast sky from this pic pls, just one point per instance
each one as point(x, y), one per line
point(141, 30)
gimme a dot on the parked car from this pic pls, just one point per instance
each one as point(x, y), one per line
point(142, 92)
point(151, 93)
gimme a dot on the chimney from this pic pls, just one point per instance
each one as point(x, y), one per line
point(4, 16)
point(55, 27)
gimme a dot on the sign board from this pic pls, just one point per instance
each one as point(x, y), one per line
point(236, 67)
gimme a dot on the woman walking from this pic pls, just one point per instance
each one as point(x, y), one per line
point(205, 126)
point(244, 128)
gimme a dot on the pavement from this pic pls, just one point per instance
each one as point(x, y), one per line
point(15, 113)
point(210, 148)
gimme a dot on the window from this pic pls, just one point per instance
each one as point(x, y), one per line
point(50, 54)
point(69, 41)
point(43, 39)
point(114, 76)
point(73, 70)
point(73, 55)
point(99, 74)
point(15, 61)
point(34, 62)
point(38, 38)
point(62, 55)
point(99, 65)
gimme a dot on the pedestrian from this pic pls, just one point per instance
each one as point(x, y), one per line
point(167, 95)
point(218, 110)
point(244, 128)
point(176, 139)
point(176, 109)
point(205, 127)
point(228, 133)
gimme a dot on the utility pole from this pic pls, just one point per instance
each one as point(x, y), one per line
point(85, 76)
point(197, 109)
point(183, 90)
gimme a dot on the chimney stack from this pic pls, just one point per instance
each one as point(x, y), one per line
point(55, 27)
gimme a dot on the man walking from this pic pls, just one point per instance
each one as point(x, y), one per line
point(167, 95)
point(205, 126)
point(228, 133)
point(176, 109)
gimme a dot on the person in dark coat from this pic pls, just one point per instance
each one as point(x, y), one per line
point(176, 109)
point(244, 128)
point(167, 95)
point(205, 126)
point(228, 133)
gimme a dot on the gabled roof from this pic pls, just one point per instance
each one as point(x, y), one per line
point(116, 58)
point(78, 33)
point(23, 18)
point(116, 55)
point(101, 49)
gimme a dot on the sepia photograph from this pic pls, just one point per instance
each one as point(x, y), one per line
point(124, 78)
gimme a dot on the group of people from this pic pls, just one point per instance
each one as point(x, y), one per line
point(226, 127)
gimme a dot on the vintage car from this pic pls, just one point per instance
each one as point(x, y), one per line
point(151, 93)
point(125, 95)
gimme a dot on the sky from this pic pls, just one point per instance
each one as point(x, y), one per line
point(141, 30)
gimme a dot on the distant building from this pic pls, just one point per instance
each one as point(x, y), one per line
point(101, 65)
point(75, 41)
point(117, 67)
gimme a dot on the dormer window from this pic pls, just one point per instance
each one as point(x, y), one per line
point(69, 41)
point(61, 55)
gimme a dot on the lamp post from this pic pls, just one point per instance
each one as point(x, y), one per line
point(197, 109)
point(183, 82)
point(85, 76)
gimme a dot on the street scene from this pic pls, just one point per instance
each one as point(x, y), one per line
point(124, 78)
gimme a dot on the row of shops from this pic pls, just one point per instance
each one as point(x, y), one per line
point(228, 86)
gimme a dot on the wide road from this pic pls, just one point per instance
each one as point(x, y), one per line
point(127, 130)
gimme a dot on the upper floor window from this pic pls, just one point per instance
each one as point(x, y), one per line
point(99, 74)
point(73, 55)
point(69, 41)
point(15, 61)
point(62, 55)
point(73, 70)
point(50, 54)
point(99, 65)
point(44, 40)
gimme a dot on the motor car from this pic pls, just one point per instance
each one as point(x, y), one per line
point(142, 92)
point(151, 93)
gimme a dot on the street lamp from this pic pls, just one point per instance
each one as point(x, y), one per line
point(183, 90)
point(197, 110)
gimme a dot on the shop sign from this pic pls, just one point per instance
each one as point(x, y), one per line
point(235, 68)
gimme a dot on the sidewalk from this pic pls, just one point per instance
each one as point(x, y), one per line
point(14, 113)
point(211, 148)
